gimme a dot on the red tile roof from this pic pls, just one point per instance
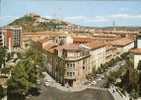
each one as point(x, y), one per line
point(95, 44)
point(136, 51)
point(122, 42)
point(82, 39)
point(72, 47)
point(49, 46)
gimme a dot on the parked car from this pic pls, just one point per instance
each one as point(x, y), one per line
point(93, 82)
point(38, 82)
point(46, 83)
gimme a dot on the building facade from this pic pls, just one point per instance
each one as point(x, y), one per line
point(111, 52)
point(12, 37)
point(123, 45)
point(1, 38)
point(71, 61)
point(98, 54)
point(137, 52)
point(68, 64)
point(136, 56)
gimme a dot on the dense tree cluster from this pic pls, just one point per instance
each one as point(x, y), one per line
point(3, 52)
point(27, 71)
point(131, 80)
point(129, 76)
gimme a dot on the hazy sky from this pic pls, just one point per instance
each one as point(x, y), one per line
point(90, 12)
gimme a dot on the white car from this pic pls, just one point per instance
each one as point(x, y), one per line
point(99, 79)
point(46, 83)
point(93, 82)
point(38, 82)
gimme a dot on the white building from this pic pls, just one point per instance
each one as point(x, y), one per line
point(137, 56)
point(123, 45)
point(137, 52)
point(98, 53)
point(63, 39)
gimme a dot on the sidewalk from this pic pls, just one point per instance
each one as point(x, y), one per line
point(53, 83)
point(117, 94)
point(113, 90)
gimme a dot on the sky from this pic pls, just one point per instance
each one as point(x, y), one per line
point(81, 12)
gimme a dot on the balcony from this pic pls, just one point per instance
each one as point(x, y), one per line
point(77, 57)
point(69, 77)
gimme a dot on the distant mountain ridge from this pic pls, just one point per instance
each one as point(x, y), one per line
point(34, 23)
point(122, 28)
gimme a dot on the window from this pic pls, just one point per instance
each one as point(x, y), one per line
point(74, 65)
point(83, 67)
point(70, 73)
point(84, 61)
point(67, 73)
point(73, 73)
point(68, 65)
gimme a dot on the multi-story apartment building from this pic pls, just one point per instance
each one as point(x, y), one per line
point(137, 51)
point(76, 60)
point(105, 37)
point(82, 39)
point(61, 39)
point(1, 38)
point(72, 60)
point(98, 54)
point(137, 56)
point(68, 63)
point(12, 37)
point(111, 52)
point(123, 45)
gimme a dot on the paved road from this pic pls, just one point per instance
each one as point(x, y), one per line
point(51, 93)
point(55, 93)
point(101, 82)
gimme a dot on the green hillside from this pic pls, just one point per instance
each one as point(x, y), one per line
point(33, 23)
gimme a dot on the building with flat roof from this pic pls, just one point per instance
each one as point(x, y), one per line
point(12, 37)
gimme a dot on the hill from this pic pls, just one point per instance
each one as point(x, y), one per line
point(34, 23)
